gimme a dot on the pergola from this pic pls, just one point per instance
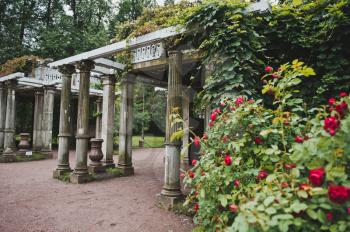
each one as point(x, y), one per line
point(152, 64)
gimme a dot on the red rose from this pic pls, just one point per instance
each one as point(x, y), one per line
point(225, 139)
point(338, 194)
point(205, 136)
point(196, 207)
point(343, 94)
point(331, 101)
point(329, 216)
point(233, 208)
point(305, 187)
point(286, 123)
point(228, 160)
point(284, 184)
point(298, 139)
point(203, 173)
point(290, 166)
point(213, 116)
point(211, 123)
point(268, 69)
point(331, 124)
point(194, 162)
point(251, 101)
point(274, 75)
point(222, 103)
point(258, 140)
point(217, 110)
point(341, 108)
point(239, 101)
point(348, 209)
point(191, 174)
point(262, 174)
point(196, 141)
point(182, 175)
point(316, 176)
point(236, 183)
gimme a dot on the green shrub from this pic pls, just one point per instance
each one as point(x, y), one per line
point(276, 168)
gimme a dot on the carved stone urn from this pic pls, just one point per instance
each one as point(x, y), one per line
point(96, 156)
point(23, 143)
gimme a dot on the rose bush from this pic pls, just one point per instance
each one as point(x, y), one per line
point(276, 168)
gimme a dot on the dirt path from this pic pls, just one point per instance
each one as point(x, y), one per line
point(30, 200)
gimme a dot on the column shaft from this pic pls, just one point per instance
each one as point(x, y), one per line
point(108, 115)
point(38, 118)
point(65, 121)
point(2, 114)
point(98, 117)
point(49, 98)
point(9, 141)
point(186, 124)
point(172, 187)
point(80, 173)
point(126, 124)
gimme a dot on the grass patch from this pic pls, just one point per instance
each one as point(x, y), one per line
point(198, 229)
point(35, 156)
point(65, 177)
point(114, 171)
point(180, 208)
point(150, 141)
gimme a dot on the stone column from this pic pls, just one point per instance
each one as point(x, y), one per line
point(171, 191)
point(65, 121)
point(80, 174)
point(186, 125)
point(108, 115)
point(10, 129)
point(38, 118)
point(98, 117)
point(2, 114)
point(49, 98)
point(126, 123)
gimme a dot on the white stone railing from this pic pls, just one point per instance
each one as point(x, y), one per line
point(49, 75)
point(147, 53)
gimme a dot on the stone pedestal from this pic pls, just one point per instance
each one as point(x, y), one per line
point(126, 123)
point(171, 191)
point(80, 174)
point(65, 121)
point(23, 145)
point(108, 116)
point(38, 119)
point(2, 114)
point(9, 140)
point(96, 156)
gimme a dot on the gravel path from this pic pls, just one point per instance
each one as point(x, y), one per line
point(31, 200)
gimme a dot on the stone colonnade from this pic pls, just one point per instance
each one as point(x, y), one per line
point(105, 116)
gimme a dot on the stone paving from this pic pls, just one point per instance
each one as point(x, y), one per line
point(31, 200)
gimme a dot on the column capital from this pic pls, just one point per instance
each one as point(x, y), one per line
point(38, 91)
point(130, 78)
point(99, 99)
point(85, 65)
point(11, 83)
point(174, 53)
point(108, 79)
point(66, 69)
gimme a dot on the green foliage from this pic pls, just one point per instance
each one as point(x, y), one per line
point(114, 171)
point(247, 140)
point(34, 157)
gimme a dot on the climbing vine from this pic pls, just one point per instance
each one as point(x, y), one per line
point(239, 44)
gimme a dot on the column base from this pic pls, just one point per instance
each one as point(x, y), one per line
point(60, 173)
point(126, 170)
point(97, 169)
point(7, 158)
point(168, 202)
point(109, 164)
point(80, 178)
